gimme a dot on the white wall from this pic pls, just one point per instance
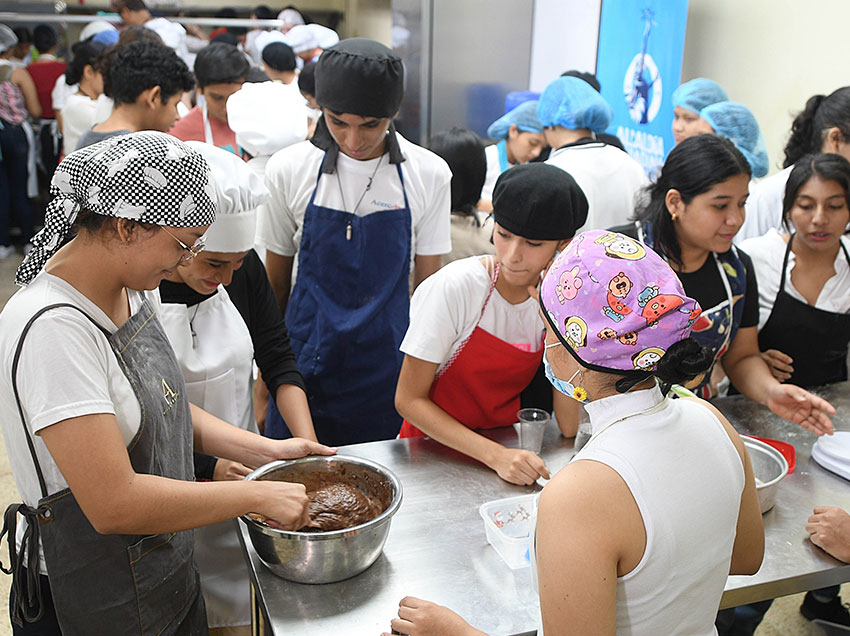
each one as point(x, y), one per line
point(771, 55)
point(564, 37)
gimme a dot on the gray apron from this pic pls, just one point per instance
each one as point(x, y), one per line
point(104, 584)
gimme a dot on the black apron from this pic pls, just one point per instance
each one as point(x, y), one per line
point(815, 339)
point(107, 584)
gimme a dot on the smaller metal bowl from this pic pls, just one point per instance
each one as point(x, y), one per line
point(326, 557)
point(769, 468)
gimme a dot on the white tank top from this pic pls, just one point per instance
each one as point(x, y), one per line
point(687, 478)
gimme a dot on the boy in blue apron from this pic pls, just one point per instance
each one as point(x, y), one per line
point(358, 204)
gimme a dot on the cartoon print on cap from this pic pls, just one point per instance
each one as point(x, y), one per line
point(576, 331)
point(619, 246)
point(626, 313)
point(660, 305)
point(629, 339)
point(649, 292)
point(620, 285)
point(618, 288)
point(648, 358)
point(568, 285)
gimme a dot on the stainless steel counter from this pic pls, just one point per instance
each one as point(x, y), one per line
point(437, 548)
point(792, 563)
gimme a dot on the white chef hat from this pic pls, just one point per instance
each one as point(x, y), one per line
point(267, 116)
point(95, 27)
point(300, 38)
point(305, 37)
point(325, 37)
point(267, 37)
point(240, 191)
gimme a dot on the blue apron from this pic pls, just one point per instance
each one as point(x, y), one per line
point(347, 315)
point(716, 327)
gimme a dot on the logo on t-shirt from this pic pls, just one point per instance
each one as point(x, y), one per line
point(385, 205)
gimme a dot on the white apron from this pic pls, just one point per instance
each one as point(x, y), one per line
point(217, 367)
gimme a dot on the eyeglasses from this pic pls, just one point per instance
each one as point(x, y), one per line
point(191, 252)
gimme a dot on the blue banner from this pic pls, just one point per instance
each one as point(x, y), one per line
point(639, 64)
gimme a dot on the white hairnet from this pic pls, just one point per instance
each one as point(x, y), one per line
point(8, 39)
point(291, 17)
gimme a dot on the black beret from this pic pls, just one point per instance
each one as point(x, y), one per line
point(361, 77)
point(539, 202)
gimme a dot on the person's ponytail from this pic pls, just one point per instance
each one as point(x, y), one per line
point(684, 361)
point(818, 117)
point(804, 138)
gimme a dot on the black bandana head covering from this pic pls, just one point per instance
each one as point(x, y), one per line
point(539, 202)
point(149, 177)
point(361, 77)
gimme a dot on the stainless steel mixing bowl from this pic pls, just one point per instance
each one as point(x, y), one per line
point(326, 557)
point(769, 468)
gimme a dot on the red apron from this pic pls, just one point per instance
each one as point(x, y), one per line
point(481, 384)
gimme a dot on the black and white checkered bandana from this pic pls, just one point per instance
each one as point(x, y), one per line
point(149, 177)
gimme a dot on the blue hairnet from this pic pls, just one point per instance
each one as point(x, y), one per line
point(523, 117)
point(572, 103)
point(698, 93)
point(738, 124)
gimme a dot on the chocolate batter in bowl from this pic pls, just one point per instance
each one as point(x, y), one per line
point(352, 501)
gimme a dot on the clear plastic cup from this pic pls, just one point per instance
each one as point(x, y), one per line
point(532, 425)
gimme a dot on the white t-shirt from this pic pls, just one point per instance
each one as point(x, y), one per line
point(78, 115)
point(61, 92)
point(291, 177)
point(104, 107)
point(67, 369)
point(610, 179)
point(494, 170)
point(764, 206)
point(173, 35)
point(446, 308)
point(767, 253)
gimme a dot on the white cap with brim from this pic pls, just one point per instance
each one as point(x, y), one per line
point(240, 192)
point(267, 117)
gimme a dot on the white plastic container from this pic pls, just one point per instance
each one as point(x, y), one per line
point(509, 524)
